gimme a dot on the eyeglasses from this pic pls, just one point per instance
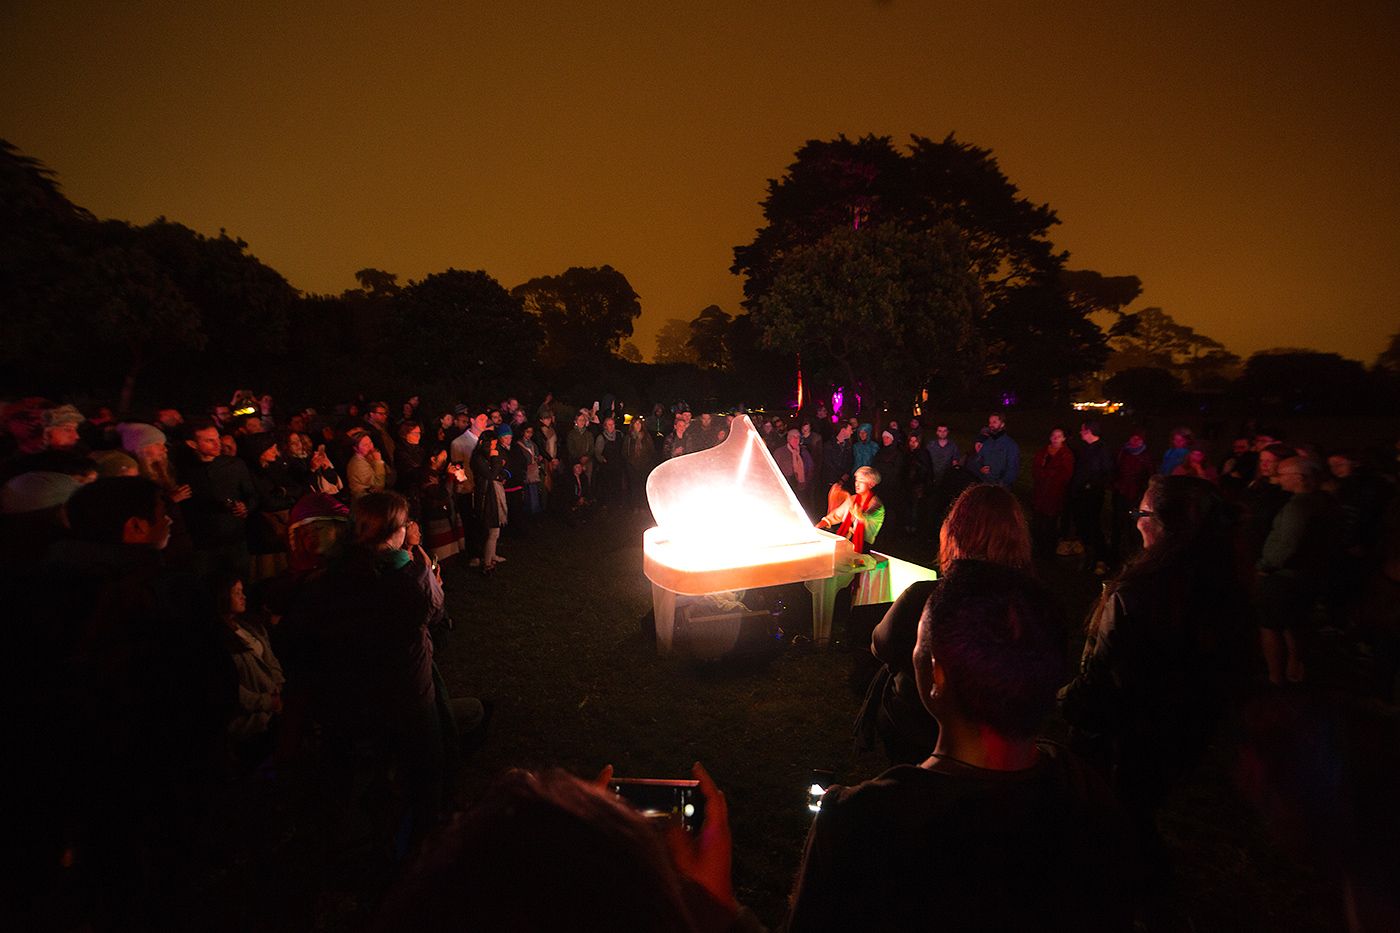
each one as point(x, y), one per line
point(1140, 513)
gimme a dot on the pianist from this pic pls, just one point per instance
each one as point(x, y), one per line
point(859, 517)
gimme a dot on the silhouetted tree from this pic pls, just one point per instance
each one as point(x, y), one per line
point(858, 185)
point(888, 308)
point(708, 330)
point(1389, 360)
point(585, 313)
point(462, 326)
point(673, 343)
point(377, 282)
point(630, 352)
point(243, 304)
point(1090, 291)
point(1304, 381)
point(1153, 338)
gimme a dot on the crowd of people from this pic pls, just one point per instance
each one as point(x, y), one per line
point(204, 598)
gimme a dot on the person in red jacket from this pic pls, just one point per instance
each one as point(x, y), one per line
point(1052, 468)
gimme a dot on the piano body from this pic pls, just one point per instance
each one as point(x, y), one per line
point(727, 520)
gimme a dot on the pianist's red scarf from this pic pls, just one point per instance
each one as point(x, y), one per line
point(863, 502)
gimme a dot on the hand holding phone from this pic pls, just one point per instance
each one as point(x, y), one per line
point(707, 856)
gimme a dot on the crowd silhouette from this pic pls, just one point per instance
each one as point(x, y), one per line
point(201, 600)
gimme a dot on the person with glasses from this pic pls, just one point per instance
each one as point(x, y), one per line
point(1168, 648)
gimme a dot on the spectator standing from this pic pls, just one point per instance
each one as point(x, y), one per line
point(1166, 655)
point(1093, 471)
point(365, 472)
point(1294, 567)
point(465, 443)
point(367, 655)
point(578, 445)
point(865, 448)
point(1176, 454)
point(796, 465)
point(278, 489)
point(377, 423)
point(999, 460)
point(638, 452)
point(222, 496)
point(889, 463)
point(942, 453)
point(1051, 470)
point(1196, 464)
point(1132, 471)
point(838, 463)
point(489, 499)
point(918, 476)
point(609, 469)
point(527, 466)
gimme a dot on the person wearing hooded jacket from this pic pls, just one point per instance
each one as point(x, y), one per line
point(865, 448)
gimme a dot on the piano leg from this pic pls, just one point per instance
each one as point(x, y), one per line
point(663, 609)
point(824, 604)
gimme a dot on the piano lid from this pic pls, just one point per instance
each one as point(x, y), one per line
point(731, 496)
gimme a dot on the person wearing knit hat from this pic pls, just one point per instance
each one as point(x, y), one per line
point(61, 415)
point(61, 441)
point(36, 491)
point(136, 435)
point(317, 528)
point(114, 463)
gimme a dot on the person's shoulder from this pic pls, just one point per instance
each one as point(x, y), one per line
point(888, 794)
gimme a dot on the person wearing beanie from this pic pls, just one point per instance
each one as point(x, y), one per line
point(889, 463)
point(55, 447)
point(36, 491)
point(114, 463)
point(61, 427)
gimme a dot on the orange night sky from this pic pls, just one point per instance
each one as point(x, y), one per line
point(1240, 158)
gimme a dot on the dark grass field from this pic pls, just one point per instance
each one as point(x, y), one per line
point(555, 639)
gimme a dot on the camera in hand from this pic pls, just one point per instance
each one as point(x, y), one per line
point(662, 800)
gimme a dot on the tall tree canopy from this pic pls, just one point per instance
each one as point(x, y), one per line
point(865, 184)
point(673, 342)
point(464, 325)
point(585, 313)
point(1152, 338)
point(97, 303)
point(708, 331)
point(887, 307)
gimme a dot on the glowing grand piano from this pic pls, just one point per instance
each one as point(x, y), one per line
point(727, 520)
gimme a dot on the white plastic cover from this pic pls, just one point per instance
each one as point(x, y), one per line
point(732, 495)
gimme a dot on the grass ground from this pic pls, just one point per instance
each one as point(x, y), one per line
point(554, 637)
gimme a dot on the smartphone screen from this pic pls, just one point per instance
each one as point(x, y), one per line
point(661, 800)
